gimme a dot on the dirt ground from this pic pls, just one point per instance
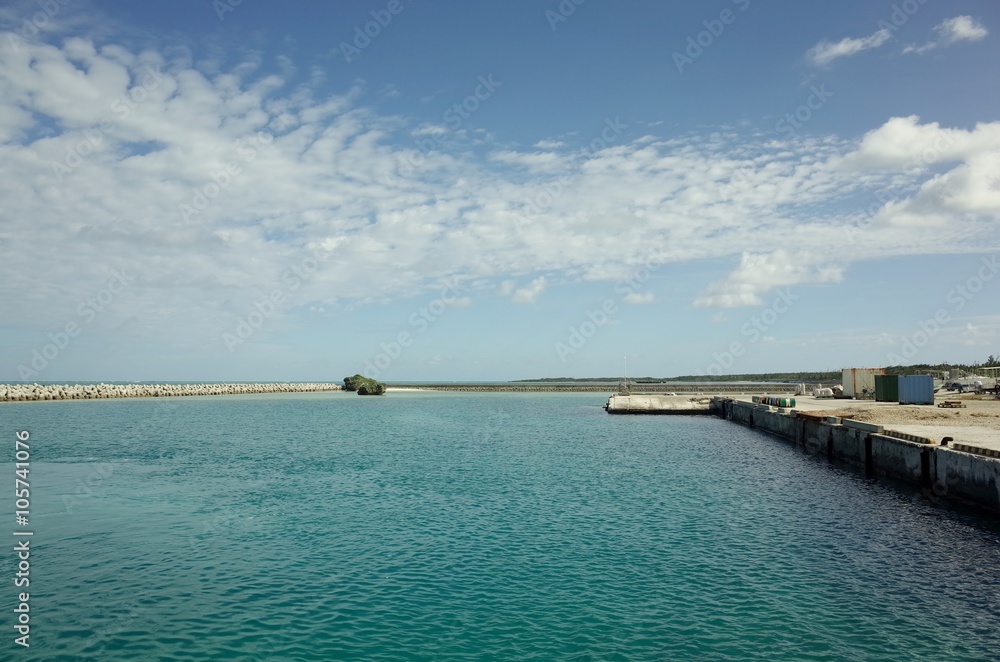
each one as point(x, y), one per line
point(984, 413)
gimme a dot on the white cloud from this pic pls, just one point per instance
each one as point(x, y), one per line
point(972, 335)
point(826, 52)
point(903, 142)
point(534, 161)
point(950, 31)
point(430, 130)
point(530, 293)
point(968, 189)
point(961, 28)
point(321, 174)
point(640, 297)
point(760, 273)
point(390, 91)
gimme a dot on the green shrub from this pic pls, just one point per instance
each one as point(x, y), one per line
point(364, 385)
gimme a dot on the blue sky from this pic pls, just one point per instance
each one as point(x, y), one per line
point(477, 191)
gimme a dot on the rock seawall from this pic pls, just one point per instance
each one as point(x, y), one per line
point(32, 392)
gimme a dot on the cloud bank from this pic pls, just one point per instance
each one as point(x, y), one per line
point(215, 191)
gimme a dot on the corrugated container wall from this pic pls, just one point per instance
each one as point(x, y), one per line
point(916, 390)
point(847, 381)
point(860, 382)
point(886, 388)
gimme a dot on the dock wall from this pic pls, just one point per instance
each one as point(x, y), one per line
point(942, 471)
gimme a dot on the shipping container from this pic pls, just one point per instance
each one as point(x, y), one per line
point(916, 390)
point(859, 383)
point(887, 388)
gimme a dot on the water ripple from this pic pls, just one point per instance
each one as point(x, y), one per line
point(484, 527)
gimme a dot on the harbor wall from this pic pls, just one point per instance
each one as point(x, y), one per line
point(940, 470)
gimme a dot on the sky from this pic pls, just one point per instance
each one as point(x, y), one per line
point(429, 190)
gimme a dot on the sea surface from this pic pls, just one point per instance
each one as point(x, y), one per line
point(482, 526)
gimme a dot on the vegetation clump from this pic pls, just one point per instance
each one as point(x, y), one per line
point(364, 385)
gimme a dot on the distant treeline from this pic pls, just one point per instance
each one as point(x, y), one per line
point(925, 368)
point(759, 377)
point(828, 376)
point(762, 377)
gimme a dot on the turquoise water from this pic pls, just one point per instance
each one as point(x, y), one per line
point(474, 526)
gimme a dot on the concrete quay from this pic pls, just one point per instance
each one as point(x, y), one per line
point(36, 392)
point(949, 453)
point(959, 470)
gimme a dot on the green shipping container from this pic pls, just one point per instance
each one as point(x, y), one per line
point(886, 388)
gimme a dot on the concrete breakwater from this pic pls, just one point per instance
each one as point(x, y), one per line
point(962, 473)
point(31, 392)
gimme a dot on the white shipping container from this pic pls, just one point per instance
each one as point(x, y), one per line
point(860, 382)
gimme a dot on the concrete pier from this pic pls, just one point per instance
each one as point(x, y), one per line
point(959, 471)
point(658, 404)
